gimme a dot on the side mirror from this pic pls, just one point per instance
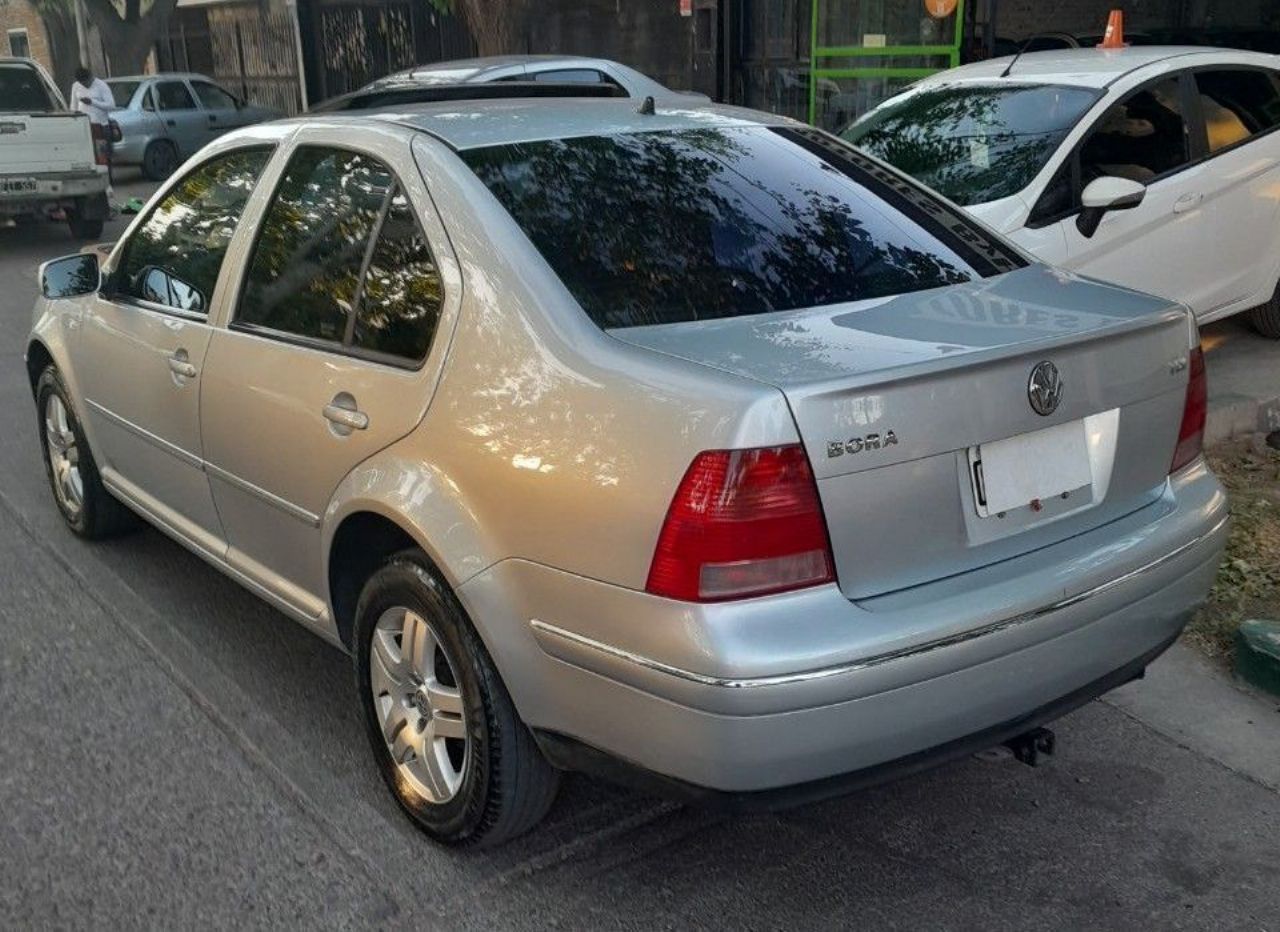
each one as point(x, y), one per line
point(1106, 194)
point(70, 276)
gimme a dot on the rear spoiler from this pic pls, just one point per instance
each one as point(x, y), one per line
point(395, 95)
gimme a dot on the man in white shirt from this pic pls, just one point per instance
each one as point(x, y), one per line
point(92, 97)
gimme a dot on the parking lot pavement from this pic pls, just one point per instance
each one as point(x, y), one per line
point(177, 753)
point(1244, 379)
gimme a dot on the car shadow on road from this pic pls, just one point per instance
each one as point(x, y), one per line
point(1118, 822)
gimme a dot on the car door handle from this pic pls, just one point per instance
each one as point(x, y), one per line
point(1187, 202)
point(179, 365)
point(345, 417)
point(171, 122)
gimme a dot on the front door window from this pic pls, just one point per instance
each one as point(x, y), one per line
point(174, 257)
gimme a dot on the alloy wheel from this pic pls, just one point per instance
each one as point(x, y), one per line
point(64, 456)
point(418, 704)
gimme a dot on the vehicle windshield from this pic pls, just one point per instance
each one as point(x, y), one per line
point(22, 90)
point(973, 144)
point(682, 225)
point(122, 91)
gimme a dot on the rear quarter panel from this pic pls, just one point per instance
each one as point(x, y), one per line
point(547, 440)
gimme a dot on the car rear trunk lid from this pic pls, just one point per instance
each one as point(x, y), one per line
point(898, 400)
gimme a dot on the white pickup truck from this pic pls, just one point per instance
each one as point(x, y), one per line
point(49, 160)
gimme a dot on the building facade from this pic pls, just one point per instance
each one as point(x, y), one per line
point(22, 32)
point(824, 61)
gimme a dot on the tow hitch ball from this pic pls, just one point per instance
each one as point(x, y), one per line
point(1029, 746)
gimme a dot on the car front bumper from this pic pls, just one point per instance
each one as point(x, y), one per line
point(794, 690)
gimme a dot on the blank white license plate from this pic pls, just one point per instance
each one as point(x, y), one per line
point(17, 185)
point(1029, 468)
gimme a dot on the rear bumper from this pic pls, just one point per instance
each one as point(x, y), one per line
point(130, 149)
point(789, 690)
point(53, 190)
point(570, 754)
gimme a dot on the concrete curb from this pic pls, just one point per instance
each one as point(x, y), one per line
point(1258, 654)
point(1237, 415)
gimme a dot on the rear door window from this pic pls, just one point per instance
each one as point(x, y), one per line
point(213, 97)
point(1237, 104)
point(1142, 138)
point(670, 226)
point(341, 260)
point(22, 90)
point(174, 257)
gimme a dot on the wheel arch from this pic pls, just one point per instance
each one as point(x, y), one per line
point(39, 358)
point(385, 506)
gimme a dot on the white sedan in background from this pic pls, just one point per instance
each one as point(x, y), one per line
point(1153, 167)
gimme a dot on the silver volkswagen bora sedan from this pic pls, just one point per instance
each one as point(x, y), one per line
point(693, 448)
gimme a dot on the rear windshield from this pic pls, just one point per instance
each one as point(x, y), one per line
point(23, 91)
point(973, 143)
point(670, 226)
point(122, 91)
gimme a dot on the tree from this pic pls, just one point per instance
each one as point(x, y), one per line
point(496, 25)
point(129, 33)
point(60, 26)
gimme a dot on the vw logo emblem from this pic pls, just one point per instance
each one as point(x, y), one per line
point(1044, 388)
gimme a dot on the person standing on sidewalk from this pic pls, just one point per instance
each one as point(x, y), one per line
point(92, 97)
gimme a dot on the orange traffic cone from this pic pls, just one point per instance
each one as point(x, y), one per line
point(1113, 38)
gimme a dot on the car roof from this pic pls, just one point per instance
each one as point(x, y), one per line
point(475, 69)
point(160, 76)
point(1089, 67)
point(474, 124)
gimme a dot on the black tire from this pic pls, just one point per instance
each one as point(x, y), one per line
point(159, 160)
point(1266, 317)
point(506, 786)
point(100, 514)
point(82, 228)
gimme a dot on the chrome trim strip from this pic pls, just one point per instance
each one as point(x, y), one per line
point(822, 673)
point(155, 440)
point(244, 485)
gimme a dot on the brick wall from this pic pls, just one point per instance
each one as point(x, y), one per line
point(19, 14)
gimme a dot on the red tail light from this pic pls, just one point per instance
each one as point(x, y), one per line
point(742, 523)
point(1191, 433)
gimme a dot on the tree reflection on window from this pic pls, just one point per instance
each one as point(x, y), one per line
point(658, 227)
point(318, 272)
point(972, 143)
point(186, 236)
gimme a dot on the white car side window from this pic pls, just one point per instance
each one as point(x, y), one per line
point(1143, 137)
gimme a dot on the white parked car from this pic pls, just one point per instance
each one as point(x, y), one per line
point(1154, 167)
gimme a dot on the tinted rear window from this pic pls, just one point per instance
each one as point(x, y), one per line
point(22, 91)
point(122, 91)
point(663, 227)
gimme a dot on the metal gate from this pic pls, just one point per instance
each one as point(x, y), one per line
point(862, 51)
point(358, 42)
point(249, 49)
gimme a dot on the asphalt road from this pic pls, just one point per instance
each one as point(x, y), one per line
point(175, 753)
